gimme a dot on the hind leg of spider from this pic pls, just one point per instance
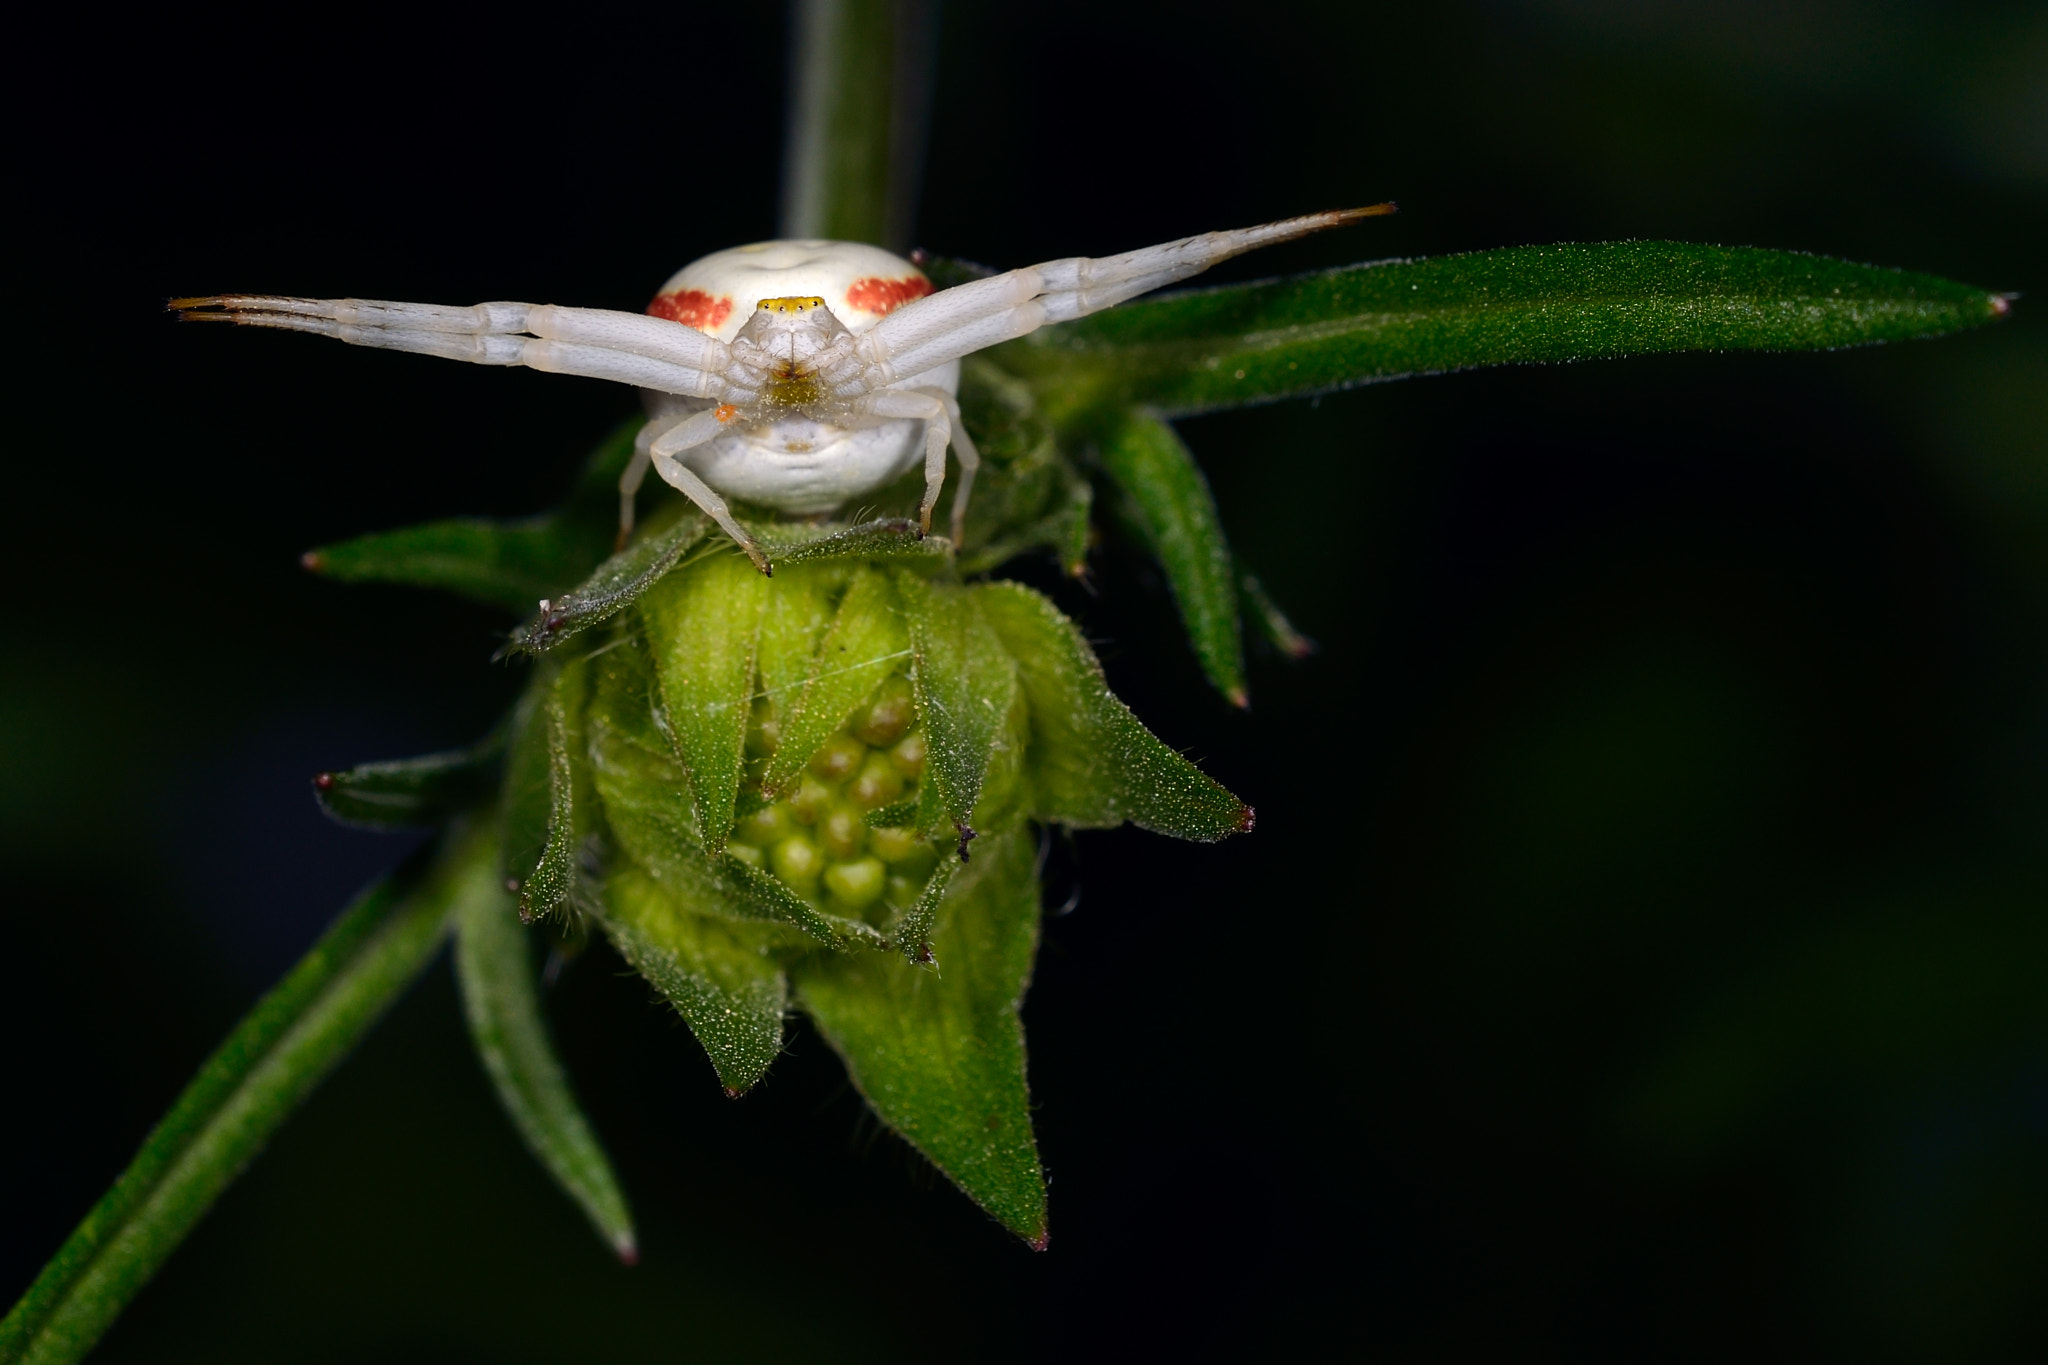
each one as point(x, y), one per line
point(687, 435)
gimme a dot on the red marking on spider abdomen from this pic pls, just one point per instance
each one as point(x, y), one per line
point(876, 295)
point(692, 308)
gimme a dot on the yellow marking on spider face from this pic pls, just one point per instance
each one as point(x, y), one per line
point(791, 305)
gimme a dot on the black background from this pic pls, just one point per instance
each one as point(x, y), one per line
point(1639, 953)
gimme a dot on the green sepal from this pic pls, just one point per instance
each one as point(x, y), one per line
point(615, 585)
point(940, 1055)
point(644, 790)
point(1166, 501)
point(413, 793)
point(865, 642)
point(703, 627)
point(526, 796)
point(1220, 348)
point(886, 538)
point(509, 564)
point(551, 885)
point(966, 685)
point(910, 933)
point(724, 978)
point(798, 607)
point(1272, 622)
point(1092, 763)
point(495, 972)
point(901, 815)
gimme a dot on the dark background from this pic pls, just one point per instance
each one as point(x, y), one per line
point(1640, 954)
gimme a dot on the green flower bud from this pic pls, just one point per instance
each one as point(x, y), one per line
point(877, 784)
point(908, 757)
point(702, 784)
point(797, 861)
point(896, 844)
point(856, 885)
point(843, 832)
point(886, 718)
point(838, 760)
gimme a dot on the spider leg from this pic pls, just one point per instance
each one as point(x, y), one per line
point(970, 464)
point(635, 472)
point(931, 407)
point(959, 321)
point(649, 353)
point(696, 430)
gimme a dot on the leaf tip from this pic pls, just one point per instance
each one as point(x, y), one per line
point(1041, 1241)
point(1247, 821)
point(733, 1092)
point(626, 1249)
point(1239, 698)
point(313, 561)
point(323, 782)
point(2001, 304)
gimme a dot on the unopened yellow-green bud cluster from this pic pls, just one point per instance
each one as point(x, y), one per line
point(816, 838)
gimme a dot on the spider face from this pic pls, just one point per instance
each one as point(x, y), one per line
point(797, 375)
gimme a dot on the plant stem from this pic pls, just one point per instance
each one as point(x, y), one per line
point(276, 1055)
point(860, 100)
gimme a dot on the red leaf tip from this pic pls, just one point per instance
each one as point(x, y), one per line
point(628, 1251)
point(324, 781)
point(1040, 1242)
point(313, 561)
point(1247, 821)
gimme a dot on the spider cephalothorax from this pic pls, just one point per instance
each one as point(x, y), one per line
point(798, 375)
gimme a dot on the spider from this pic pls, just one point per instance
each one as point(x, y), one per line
point(846, 364)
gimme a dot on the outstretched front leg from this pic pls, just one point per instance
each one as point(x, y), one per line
point(629, 348)
point(957, 322)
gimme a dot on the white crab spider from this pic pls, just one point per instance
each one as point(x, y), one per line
point(797, 375)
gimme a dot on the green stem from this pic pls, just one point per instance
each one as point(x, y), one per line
point(860, 89)
point(276, 1055)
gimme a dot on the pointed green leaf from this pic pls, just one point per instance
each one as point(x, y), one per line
point(1273, 623)
point(911, 931)
point(1092, 763)
point(796, 542)
point(615, 585)
point(510, 564)
point(645, 793)
point(526, 800)
point(552, 884)
point(799, 608)
point(1219, 348)
point(411, 793)
point(865, 643)
point(1167, 502)
point(722, 977)
point(495, 972)
point(966, 685)
point(940, 1055)
point(702, 625)
point(280, 1051)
